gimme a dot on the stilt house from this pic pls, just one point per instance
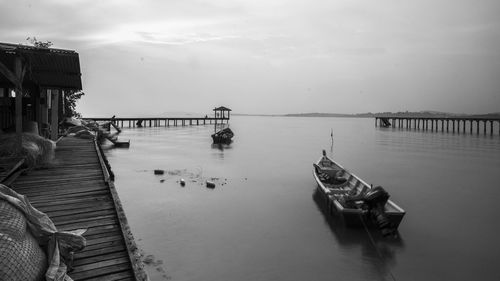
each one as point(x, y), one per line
point(33, 82)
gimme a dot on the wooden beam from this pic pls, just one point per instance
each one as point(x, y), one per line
point(19, 95)
point(54, 121)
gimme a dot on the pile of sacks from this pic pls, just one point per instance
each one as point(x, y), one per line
point(30, 245)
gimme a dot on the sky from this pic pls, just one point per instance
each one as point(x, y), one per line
point(157, 58)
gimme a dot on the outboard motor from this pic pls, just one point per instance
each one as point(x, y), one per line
point(376, 199)
point(376, 196)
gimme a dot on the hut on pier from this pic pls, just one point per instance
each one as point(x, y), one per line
point(33, 82)
point(220, 113)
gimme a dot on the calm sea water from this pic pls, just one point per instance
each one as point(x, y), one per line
point(263, 222)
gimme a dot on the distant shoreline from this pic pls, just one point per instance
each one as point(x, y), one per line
point(423, 114)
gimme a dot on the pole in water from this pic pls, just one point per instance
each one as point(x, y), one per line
point(331, 147)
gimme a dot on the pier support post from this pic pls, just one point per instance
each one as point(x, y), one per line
point(54, 122)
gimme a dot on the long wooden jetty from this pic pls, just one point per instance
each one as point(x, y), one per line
point(132, 122)
point(477, 125)
point(77, 191)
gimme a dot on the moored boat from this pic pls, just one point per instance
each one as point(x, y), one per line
point(223, 136)
point(351, 198)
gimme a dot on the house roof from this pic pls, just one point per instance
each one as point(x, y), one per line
point(45, 67)
point(222, 108)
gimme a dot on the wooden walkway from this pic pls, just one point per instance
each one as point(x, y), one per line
point(133, 122)
point(77, 193)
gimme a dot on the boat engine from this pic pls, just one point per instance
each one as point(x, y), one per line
point(375, 200)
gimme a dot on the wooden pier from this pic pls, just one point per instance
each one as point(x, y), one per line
point(221, 114)
point(133, 122)
point(78, 192)
point(471, 125)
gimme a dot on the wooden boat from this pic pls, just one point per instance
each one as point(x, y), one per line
point(223, 136)
point(384, 122)
point(356, 202)
point(123, 144)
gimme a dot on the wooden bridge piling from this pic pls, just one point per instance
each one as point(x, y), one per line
point(458, 124)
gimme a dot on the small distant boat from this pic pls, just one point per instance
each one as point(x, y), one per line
point(354, 200)
point(223, 136)
point(384, 122)
point(124, 144)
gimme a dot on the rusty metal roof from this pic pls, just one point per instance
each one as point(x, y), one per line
point(45, 67)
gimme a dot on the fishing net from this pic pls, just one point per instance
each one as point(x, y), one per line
point(23, 232)
point(21, 258)
point(37, 151)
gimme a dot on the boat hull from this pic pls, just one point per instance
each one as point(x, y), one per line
point(220, 139)
point(223, 136)
point(353, 217)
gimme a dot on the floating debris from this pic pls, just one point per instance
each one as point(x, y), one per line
point(162, 180)
point(151, 261)
point(210, 184)
point(159, 172)
point(183, 182)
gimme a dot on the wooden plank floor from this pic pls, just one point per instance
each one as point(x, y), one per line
point(74, 194)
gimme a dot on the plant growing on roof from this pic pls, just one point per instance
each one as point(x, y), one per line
point(39, 44)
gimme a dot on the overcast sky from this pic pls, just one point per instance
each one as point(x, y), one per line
point(272, 56)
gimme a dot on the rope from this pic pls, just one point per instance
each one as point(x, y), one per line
point(372, 241)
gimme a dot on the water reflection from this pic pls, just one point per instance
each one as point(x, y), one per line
point(378, 251)
point(221, 146)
